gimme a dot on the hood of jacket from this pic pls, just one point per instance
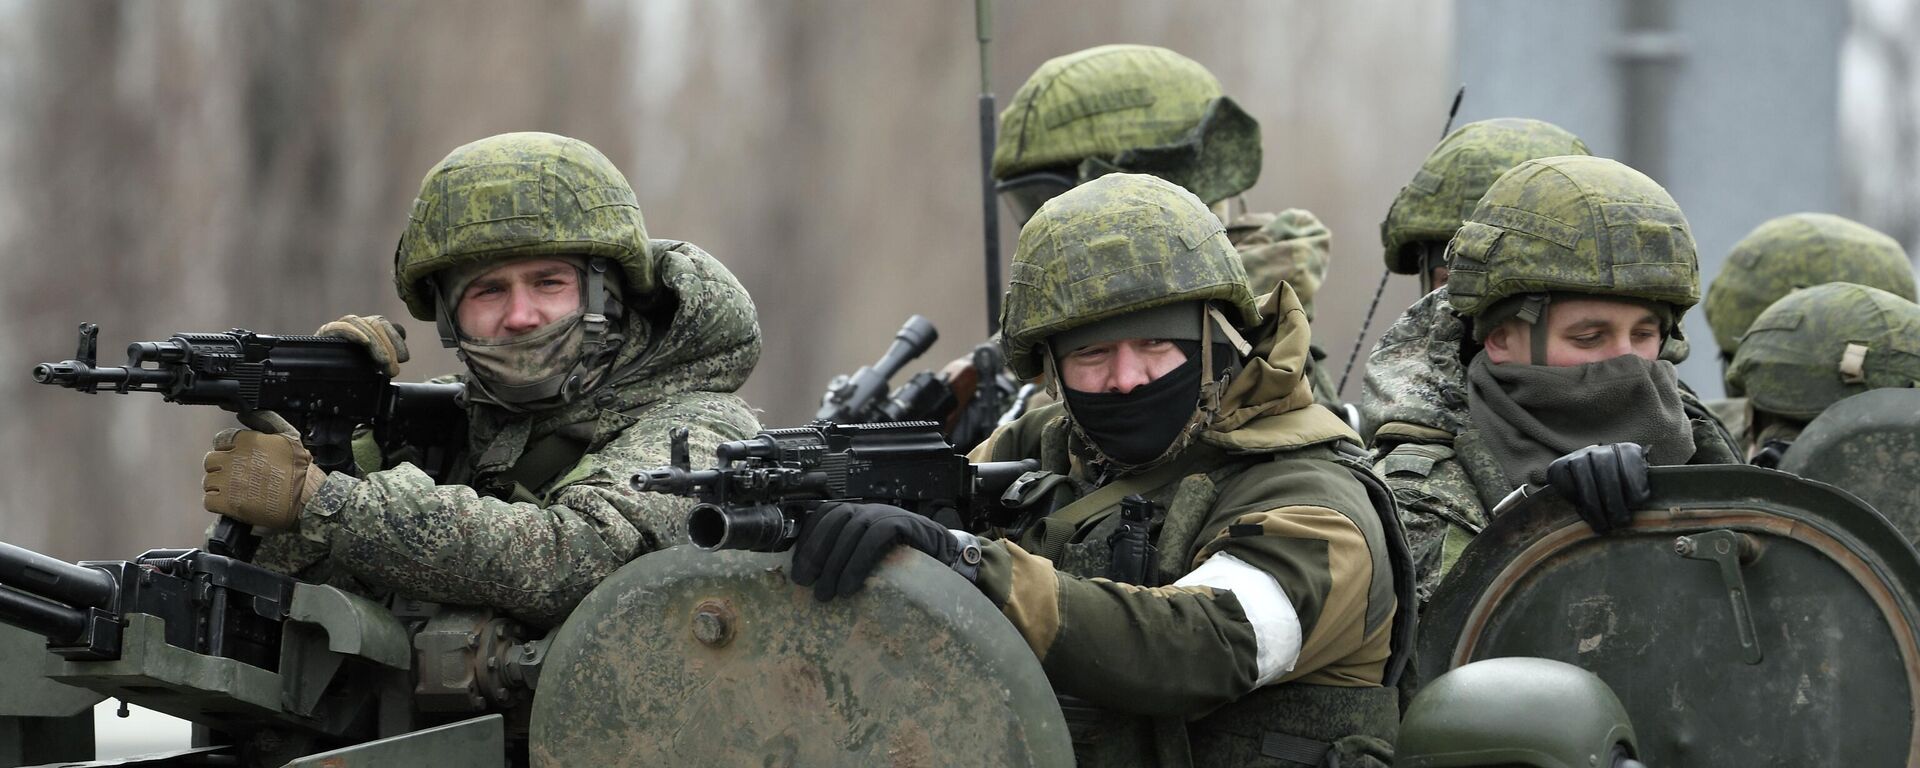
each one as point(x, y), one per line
point(1268, 405)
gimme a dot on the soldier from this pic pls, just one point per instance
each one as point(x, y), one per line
point(1517, 711)
point(1262, 628)
point(1540, 363)
point(1797, 250)
point(1814, 347)
point(1449, 184)
point(1145, 109)
point(1430, 208)
point(584, 343)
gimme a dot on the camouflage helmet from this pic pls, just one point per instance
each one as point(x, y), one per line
point(1796, 251)
point(517, 195)
point(1586, 225)
point(1817, 345)
point(1515, 711)
point(1134, 109)
point(1116, 245)
point(1457, 173)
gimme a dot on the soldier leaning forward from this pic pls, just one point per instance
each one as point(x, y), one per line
point(1539, 361)
point(584, 343)
point(1208, 577)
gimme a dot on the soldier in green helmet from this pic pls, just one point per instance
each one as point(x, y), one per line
point(1520, 711)
point(1449, 184)
point(1262, 622)
point(1816, 346)
point(1540, 362)
point(1145, 109)
point(1415, 232)
point(1797, 250)
point(584, 341)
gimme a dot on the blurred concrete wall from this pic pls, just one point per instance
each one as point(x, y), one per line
point(205, 164)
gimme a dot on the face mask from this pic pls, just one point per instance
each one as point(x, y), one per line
point(1137, 427)
point(529, 367)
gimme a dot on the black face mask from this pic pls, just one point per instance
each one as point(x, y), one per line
point(1136, 427)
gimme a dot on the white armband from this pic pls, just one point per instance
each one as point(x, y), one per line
point(1276, 625)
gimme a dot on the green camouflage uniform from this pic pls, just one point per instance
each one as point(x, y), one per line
point(1440, 468)
point(482, 536)
point(1794, 251)
point(1266, 478)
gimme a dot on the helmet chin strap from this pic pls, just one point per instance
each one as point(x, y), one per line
point(1533, 312)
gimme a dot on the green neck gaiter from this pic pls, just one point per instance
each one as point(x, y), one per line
point(1533, 414)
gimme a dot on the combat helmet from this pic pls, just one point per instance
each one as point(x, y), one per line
point(517, 195)
point(1117, 245)
point(1799, 250)
point(1455, 175)
point(1123, 108)
point(1516, 711)
point(1818, 345)
point(1572, 224)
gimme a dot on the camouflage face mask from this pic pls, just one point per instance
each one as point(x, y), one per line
point(529, 367)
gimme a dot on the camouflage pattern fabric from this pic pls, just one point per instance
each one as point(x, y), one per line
point(520, 195)
point(1291, 245)
point(1732, 413)
point(1579, 224)
point(396, 531)
point(1817, 345)
point(1800, 250)
point(1449, 184)
point(1415, 379)
point(1118, 244)
point(1130, 108)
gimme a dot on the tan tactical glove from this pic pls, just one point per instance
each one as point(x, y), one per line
point(259, 478)
point(384, 340)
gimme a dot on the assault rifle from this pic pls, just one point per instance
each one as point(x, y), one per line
point(758, 498)
point(324, 387)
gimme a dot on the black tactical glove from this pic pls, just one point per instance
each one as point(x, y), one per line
point(843, 542)
point(1604, 482)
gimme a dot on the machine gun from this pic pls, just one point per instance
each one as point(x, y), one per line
point(275, 669)
point(324, 387)
point(757, 498)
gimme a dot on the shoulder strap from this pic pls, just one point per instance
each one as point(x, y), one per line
point(1049, 535)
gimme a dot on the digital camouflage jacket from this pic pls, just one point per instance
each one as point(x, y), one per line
point(534, 553)
point(1269, 489)
point(1441, 473)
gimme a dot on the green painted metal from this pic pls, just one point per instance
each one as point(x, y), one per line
point(686, 657)
point(173, 680)
point(1869, 445)
point(480, 742)
point(1829, 584)
point(355, 626)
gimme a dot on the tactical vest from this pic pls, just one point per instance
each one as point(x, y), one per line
point(1288, 724)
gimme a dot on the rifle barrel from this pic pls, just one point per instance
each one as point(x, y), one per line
point(56, 580)
point(49, 619)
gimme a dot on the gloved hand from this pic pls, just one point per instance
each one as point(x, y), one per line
point(844, 542)
point(1604, 482)
point(384, 340)
point(260, 478)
